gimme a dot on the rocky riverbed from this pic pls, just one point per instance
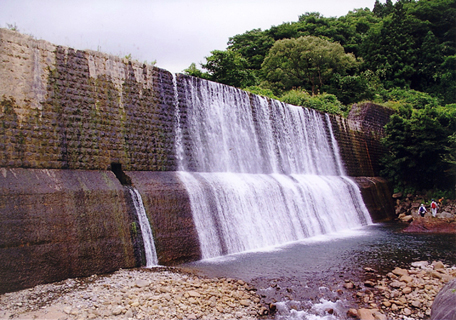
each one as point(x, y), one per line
point(135, 294)
point(400, 294)
point(169, 293)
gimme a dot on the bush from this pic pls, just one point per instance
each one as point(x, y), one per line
point(261, 92)
point(323, 102)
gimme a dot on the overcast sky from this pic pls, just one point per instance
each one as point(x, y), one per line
point(175, 33)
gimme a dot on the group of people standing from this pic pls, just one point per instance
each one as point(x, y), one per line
point(434, 207)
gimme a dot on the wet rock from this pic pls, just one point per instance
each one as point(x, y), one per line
point(352, 313)
point(366, 314)
point(349, 285)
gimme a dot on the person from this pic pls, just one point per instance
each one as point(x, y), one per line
point(441, 201)
point(422, 210)
point(434, 207)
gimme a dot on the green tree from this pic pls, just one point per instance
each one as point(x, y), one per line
point(253, 45)
point(416, 141)
point(193, 71)
point(304, 62)
point(450, 156)
point(228, 67)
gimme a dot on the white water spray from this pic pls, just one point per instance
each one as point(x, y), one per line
point(146, 231)
point(260, 172)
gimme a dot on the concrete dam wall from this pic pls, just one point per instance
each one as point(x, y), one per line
point(76, 126)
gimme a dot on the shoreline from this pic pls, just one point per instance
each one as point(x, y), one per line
point(157, 293)
point(174, 293)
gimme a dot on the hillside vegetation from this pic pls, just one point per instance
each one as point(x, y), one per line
point(401, 55)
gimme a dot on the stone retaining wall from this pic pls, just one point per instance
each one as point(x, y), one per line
point(68, 109)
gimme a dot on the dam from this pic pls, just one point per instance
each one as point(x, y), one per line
point(218, 170)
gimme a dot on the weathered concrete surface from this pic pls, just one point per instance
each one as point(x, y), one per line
point(168, 207)
point(444, 306)
point(56, 224)
point(358, 138)
point(377, 197)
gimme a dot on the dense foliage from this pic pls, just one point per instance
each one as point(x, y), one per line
point(409, 44)
point(402, 55)
point(421, 148)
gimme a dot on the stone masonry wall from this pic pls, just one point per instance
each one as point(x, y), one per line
point(358, 138)
point(67, 109)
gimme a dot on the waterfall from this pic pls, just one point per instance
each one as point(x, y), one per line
point(260, 172)
point(144, 225)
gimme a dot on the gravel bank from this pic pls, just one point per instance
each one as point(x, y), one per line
point(402, 293)
point(159, 293)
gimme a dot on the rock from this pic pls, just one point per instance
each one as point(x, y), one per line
point(352, 313)
point(379, 316)
point(397, 195)
point(349, 285)
point(407, 311)
point(245, 303)
point(439, 265)
point(406, 279)
point(400, 272)
point(445, 215)
point(416, 303)
point(407, 218)
point(406, 290)
point(397, 284)
point(369, 283)
point(366, 314)
point(194, 294)
point(117, 310)
point(419, 264)
point(141, 283)
point(386, 303)
point(444, 306)
point(436, 274)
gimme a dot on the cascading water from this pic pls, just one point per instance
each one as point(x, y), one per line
point(144, 225)
point(260, 172)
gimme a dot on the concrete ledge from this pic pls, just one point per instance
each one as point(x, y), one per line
point(56, 224)
point(168, 207)
point(377, 197)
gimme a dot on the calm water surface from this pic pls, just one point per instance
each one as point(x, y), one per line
point(300, 276)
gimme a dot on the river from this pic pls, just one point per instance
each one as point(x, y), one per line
point(302, 278)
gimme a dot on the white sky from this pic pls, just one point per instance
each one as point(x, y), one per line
point(175, 33)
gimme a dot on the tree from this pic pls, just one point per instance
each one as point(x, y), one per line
point(450, 156)
point(228, 67)
point(416, 140)
point(193, 71)
point(253, 46)
point(305, 61)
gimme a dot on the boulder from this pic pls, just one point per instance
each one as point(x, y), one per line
point(444, 306)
